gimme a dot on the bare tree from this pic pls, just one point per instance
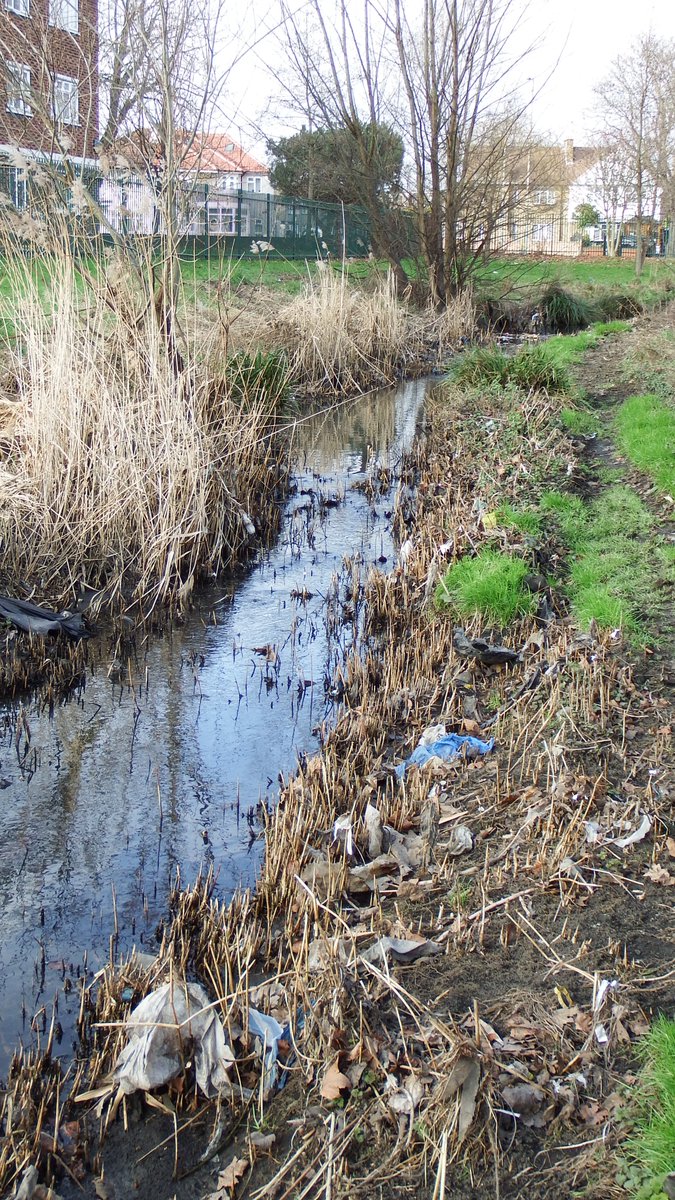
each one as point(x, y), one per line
point(445, 81)
point(629, 103)
point(663, 147)
point(611, 187)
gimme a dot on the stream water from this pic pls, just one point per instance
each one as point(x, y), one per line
point(134, 779)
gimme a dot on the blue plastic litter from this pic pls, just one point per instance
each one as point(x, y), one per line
point(448, 747)
point(265, 1027)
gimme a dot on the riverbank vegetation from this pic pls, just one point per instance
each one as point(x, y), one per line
point(447, 948)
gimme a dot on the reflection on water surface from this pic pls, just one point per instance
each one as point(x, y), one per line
point(131, 780)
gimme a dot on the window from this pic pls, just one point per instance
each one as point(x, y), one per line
point(257, 183)
point(542, 233)
point(63, 14)
point(250, 183)
point(20, 7)
point(220, 218)
point(544, 196)
point(66, 100)
point(17, 84)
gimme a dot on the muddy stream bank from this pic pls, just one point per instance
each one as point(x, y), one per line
point(145, 773)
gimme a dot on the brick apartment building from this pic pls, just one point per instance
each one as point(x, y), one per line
point(49, 76)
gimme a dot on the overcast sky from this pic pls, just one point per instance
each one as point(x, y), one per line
point(589, 35)
point(586, 36)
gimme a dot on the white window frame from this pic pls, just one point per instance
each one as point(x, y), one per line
point(20, 8)
point(66, 114)
point(64, 14)
point(544, 197)
point(542, 232)
point(220, 218)
point(18, 101)
point(258, 183)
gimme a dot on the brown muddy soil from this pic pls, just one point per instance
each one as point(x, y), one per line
point(557, 943)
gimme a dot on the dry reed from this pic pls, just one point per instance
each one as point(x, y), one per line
point(339, 339)
point(118, 464)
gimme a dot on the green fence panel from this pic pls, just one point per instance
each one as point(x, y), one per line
point(237, 224)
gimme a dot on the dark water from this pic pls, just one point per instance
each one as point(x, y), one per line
point(131, 780)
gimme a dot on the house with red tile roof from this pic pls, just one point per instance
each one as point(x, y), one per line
point(218, 183)
point(217, 159)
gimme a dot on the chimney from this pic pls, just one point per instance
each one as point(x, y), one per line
point(569, 151)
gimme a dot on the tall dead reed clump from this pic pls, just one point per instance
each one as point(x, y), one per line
point(120, 462)
point(455, 322)
point(339, 339)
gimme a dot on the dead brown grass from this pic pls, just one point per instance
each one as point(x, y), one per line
point(118, 464)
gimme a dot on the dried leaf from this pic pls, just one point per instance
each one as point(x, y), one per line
point(373, 823)
point(465, 1074)
point(460, 841)
point(637, 835)
point(670, 843)
point(100, 1189)
point(469, 725)
point(263, 1141)
point(405, 1100)
point(229, 1178)
point(525, 1099)
point(659, 874)
point(355, 1070)
point(334, 1082)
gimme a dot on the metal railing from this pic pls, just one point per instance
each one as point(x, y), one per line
point(244, 223)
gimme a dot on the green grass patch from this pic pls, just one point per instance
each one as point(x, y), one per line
point(513, 518)
point(532, 368)
point(604, 328)
point(651, 1146)
point(580, 421)
point(490, 584)
point(594, 278)
point(616, 557)
point(645, 427)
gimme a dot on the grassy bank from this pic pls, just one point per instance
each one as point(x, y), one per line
point(645, 428)
point(650, 1149)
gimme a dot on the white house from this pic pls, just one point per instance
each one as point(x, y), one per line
point(220, 184)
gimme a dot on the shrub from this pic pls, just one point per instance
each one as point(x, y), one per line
point(259, 376)
point(531, 369)
point(617, 306)
point(483, 365)
point(562, 312)
point(337, 338)
point(534, 368)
